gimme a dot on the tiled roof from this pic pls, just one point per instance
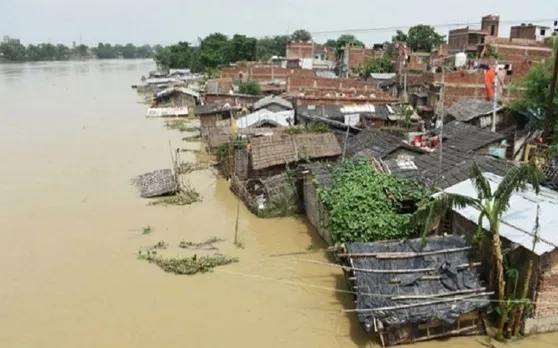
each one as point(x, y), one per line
point(379, 143)
point(456, 167)
point(467, 109)
point(466, 138)
point(268, 151)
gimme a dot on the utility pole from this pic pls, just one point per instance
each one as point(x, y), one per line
point(441, 140)
point(405, 96)
point(550, 105)
point(494, 99)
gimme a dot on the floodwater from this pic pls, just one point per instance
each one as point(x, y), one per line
point(72, 135)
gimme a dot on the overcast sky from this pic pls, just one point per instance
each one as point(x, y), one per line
point(168, 21)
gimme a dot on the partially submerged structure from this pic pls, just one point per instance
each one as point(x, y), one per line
point(408, 292)
point(157, 183)
point(265, 172)
point(517, 232)
point(177, 97)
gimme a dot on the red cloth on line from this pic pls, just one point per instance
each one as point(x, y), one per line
point(489, 76)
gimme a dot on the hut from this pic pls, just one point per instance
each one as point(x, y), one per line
point(265, 176)
point(177, 96)
point(209, 114)
point(414, 290)
point(518, 226)
point(273, 103)
point(156, 183)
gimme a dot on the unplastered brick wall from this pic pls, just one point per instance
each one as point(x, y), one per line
point(304, 82)
point(300, 49)
point(547, 293)
point(343, 101)
point(359, 55)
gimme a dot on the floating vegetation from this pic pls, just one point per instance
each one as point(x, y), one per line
point(205, 245)
point(186, 265)
point(160, 245)
point(192, 137)
point(146, 230)
point(181, 125)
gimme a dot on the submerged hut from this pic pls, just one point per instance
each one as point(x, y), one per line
point(265, 172)
point(407, 291)
point(210, 114)
point(177, 96)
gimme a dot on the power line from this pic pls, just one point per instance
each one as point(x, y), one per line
point(445, 25)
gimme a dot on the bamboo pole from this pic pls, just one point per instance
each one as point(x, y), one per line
point(403, 255)
point(397, 280)
point(430, 303)
point(387, 271)
point(419, 297)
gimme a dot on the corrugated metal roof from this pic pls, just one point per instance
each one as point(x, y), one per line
point(518, 223)
point(178, 89)
point(164, 112)
point(279, 118)
point(382, 76)
point(353, 109)
point(155, 81)
point(271, 99)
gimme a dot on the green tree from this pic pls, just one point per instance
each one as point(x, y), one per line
point(423, 37)
point(106, 51)
point(144, 51)
point(491, 205)
point(378, 65)
point(250, 87)
point(271, 46)
point(242, 47)
point(301, 35)
point(214, 50)
point(127, 51)
point(399, 37)
point(13, 52)
point(81, 51)
point(348, 39)
point(534, 90)
point(62, 52)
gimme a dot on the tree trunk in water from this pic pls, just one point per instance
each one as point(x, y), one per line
point(497, 252)
point(517, 319)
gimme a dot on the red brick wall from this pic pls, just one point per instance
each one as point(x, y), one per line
point(300, 49)
point(305, 82)
point(231, 99)
point(358, 56)
point(342, 101)
point(548, 290)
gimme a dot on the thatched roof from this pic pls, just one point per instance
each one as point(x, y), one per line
point(283, 148)
point(157, 183)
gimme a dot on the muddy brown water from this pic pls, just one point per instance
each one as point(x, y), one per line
point(72, 135)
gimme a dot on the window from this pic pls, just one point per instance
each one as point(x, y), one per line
point(543, 32)
point(492, 30)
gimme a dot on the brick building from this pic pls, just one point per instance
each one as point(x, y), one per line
point(530, 32)
point(300, 49)
point(467, 39)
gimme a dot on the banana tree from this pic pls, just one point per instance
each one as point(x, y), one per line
point(491, 204)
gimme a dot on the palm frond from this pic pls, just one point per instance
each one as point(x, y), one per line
point(480, 183)
point(516, 180)
point(440, 205)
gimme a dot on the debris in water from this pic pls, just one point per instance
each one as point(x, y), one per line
point(156, 183)
point(185, 196)
point(186, 265)
point(206, 245)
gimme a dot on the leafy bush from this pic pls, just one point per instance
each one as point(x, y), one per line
point(364, 205)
